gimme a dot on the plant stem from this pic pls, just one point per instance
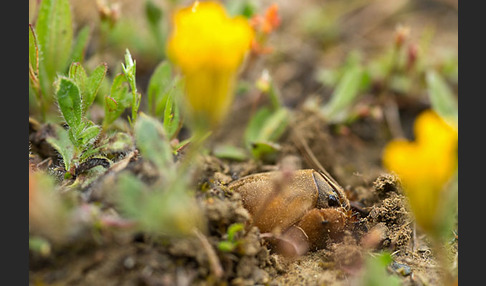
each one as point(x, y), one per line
point(441, 256)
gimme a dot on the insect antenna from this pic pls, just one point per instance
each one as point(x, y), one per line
point(311, 159)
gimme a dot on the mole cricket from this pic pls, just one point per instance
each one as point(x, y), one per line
point(307, 208)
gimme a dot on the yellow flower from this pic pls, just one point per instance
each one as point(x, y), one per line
point(425, 166)
point(209, 48)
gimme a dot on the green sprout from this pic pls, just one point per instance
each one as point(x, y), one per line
point(268, 124)
point(231, 242)
point(75, 94)
point(166, 207)
point(129, 70)
point(375, 271)
point(117, 101)
point(164, 90)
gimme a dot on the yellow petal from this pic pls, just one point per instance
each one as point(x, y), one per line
point(209, 48)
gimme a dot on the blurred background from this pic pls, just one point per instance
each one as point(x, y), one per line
point(315, 36)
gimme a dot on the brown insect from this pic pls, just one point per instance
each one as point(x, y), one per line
point(306, 207)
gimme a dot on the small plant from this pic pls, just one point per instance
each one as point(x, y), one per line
point(352, 80)
point(52, 48)
point(74, 96)
point(129, 70)
point(116, 101)
point(267, 124)
point(231, 242)
point(375, 271)
point(164, 91)
point(166, 206)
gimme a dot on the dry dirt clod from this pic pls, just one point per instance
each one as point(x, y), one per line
point(386, 184)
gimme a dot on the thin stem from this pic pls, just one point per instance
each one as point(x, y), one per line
point(194, 148)
point(441, 256)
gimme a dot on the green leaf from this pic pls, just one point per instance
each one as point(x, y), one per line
point(33, 50)
point(252, 132)
point(441, 97)
point(167, 209)
point(55, 35)
point(88, 85)
point(345, 93)
point(89, 134)
point(375, 271)
point(266, 125)
point(130, 195)
point(226, 246)
point(118, 100)
point(93, 84)
point(89, 152)
point(230, 152)
point(110, 105)
point(245, 8)
point(233, 229)
point(152, 142)
point(69, 100)
point(159, 83)
point(274, 126)
point(78, 74)
point(118, 142)
point(130, 67)
point(79, 48)
point(39, 244)
point(154, 13)
point(265, 151)
point(63, 145)
point(172, 121)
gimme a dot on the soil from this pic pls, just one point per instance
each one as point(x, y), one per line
point(382, 223)
point(350, 153)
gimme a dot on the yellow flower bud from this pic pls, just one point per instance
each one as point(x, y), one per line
point(209, 48)
point(425, 166)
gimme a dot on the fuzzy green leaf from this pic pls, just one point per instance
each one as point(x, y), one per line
point(441, 97)
point(118, 100)
point(33, 49)
point(88, 85)
point(110, 105)
point(170, 210)
point(63, 145)
point(78, 74)
point(69, 100)
point(130, 195)
point(152, 141)
point(55, 35)
point(118, 143)
point(89, 134)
